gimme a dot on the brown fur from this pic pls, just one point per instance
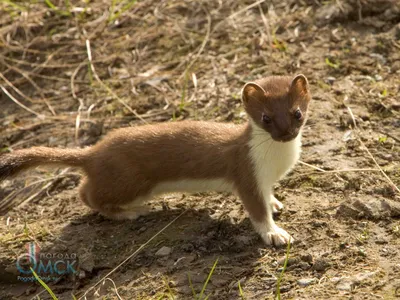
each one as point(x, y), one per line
point(129, 162)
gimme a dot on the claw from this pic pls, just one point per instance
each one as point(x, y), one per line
point(276, 205)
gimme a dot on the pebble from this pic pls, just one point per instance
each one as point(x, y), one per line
point(142, 229)
point(370, 208)
point(164, 251)
point(330, 80)
point(348, 283)
point(306, 281)
point(378, 77)
point(307, 257)
point(321, 264)
point(291, 261)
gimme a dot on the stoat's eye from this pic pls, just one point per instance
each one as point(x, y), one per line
point(266, 119)
point(297, 114)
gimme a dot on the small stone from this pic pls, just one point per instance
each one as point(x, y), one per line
point(242, 115)
point(345, 284)
point(164, 251)
point(307, 257)
point(306, 281)
point(330, 80)
point(291, 261)
point(349, 283)
point(320, 265)
point(365, 117)
point(142, 229)
point(303, 265)
point(82, 274)
point(381, 241)
point(285, 288)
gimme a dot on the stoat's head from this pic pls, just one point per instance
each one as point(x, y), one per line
point(278, 105)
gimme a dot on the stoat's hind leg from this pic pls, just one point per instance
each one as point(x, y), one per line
point(130, 211)
point(277, 205)
point(108, 201)
point(84, 192)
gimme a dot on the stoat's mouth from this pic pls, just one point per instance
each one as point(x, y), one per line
point(285, 138)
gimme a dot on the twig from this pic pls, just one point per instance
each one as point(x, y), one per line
point(245, 9)
point(203, 45)
point(20, 104)
point(369, 153)
point(43, 188)
point(16, 89)
point(81, 104)
point(115, 288)
point(379, 167)
point(266, 24)
point(311, 166)
point(33, 83)
point(5, 204)
point(89, 53)
point(325, 172)
point(132, 255)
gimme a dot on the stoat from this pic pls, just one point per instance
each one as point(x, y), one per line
point(131, 165)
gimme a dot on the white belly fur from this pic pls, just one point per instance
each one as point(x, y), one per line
point(182, 186)
point(193, 186)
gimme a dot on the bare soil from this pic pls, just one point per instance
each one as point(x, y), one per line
point(165, 61)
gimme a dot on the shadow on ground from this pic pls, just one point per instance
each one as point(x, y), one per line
point(195, 240)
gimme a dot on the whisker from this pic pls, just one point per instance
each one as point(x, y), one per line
point(263, 142)
point(268, 150)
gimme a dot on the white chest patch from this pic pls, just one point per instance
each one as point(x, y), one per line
point(193, 186)
point(271, 159)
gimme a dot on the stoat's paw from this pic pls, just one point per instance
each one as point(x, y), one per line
point(133, 213)
point(276, 236)
point(277, 205)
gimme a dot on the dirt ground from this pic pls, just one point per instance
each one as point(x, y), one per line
point(76, 69)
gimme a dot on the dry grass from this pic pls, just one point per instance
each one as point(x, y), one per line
point(84, 67)
point(46, 65)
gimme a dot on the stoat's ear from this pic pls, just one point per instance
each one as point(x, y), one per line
point(299, 85)
point(252, 92)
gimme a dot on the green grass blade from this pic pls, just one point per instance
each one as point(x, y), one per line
point(50, 4)
point(44, 285)
point(123, 9)
point(15, 5)
point(53, 7)
point(241, 291)
point(278, 283)
point(191, 286)
point(170, 293)
point(208, 279)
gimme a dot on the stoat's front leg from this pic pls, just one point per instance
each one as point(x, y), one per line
point(260, 211)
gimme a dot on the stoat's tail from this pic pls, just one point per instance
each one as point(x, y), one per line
point(14, 162)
